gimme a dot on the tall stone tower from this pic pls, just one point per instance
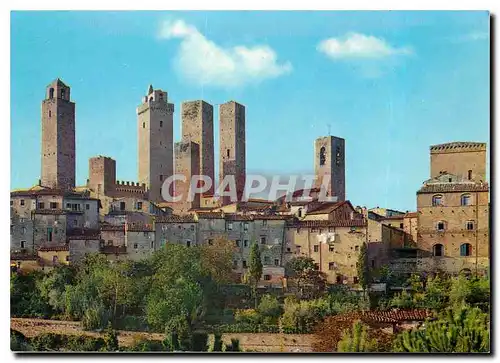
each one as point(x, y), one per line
point(198, 127)
point(155, 137)
point(102, 175)
point(187, 163)
point(232, 145)
point(466, 160)
point(329, 159)
point(58, 137)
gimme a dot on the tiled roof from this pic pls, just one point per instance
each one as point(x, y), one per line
point(389, 316)
point(51, 211)
point(55, 248)
point(299, 193)
point(112, 227)
point(23, 257)
point(237, 217)
point(453, 187)
point(258, 217)
point(37, 190)
point(411, 215)
point(325, 223)
point(258, 200)
point(176, 219)
point(210, 215)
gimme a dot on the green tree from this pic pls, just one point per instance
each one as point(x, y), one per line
point(254, 273)
point(110, 339)
point(363, 273)
point(357, 340)
point(309, 281)
point(234, 346)
point(269, 309)
point(462, 330)
point(217, 347)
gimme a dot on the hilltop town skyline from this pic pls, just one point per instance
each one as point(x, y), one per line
point(374, 153)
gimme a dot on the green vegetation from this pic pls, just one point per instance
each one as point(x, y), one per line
point(357, 340)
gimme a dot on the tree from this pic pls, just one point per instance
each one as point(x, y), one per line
point(234, 346)
point(357, 340)
point(217, 259)
point(463, 330)
point(110, 339)
point(363, 273)
point(269, 309)
point(217, 347)
point(254, 273)
point(299, 269)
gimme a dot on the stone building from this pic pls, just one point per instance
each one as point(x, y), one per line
point(329, 162)
point(333, 239)
point(58, 137)
point(453, 210)
point(187, 164)
point(198, 127)
point(155, 142)
point(232, 145)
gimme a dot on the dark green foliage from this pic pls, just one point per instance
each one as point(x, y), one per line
point(217, 347)
point(147, 346)
point(72, 343)
point(199, 342)
point(110, 339)
point(254, 273)
point(234, 346)
point(18, 342)
point(269, 309)
point(357, 340)
point(464, 330)
point(363, 272)
point(25, 297)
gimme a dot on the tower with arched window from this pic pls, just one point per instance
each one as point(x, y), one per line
point(329, 165)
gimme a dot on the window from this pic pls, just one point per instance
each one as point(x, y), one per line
point(300, 213)
point(264, 222)
point(470, 225)
point(332, 265)
point(316, 266)
point(267, 277)
point(237, 243)
point(465, 199)
point(67, 258)
point(356, 248)
point(49, 234)
point(322, 156)
point(355, 279)
point(339, 279)
point(245, 243)
point(288, 249)
point(438, 250)
point(23, 244)
point(152, 244)
point(68, 205)
point(437, 200)
point(143, 125)
point(23, 230)
point(298, 230)
point(75, 222)
point(54, 260)
point(229, 226)
point(316, 248)
point(188, 243)
point(51, 93)
point(22, 201)
point(244, 264)
point(161, 123)
point(465, 249)
point(276, 262)
point(210, 242)
point(122, 205)
point(11, 202)
point(266, 260)
point(192, 227)
point(235, 265)
point(440, 226)
point(331, 248)
point(245, 226)
point(228, 152)
point(469, 175)
point(262, 240)
point(50, 114)
point(21, 220)
point(87, 206)
point(63, 91)
point(139, 205)
point(110, 242)
point(135, 245)
point(401, 225)
point(161, 177)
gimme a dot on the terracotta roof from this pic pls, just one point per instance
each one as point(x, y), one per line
point(48, 248)
point(36, 190)
point(176, 219)
point(452, 187)
point(23, 257)
point(258, 217)
point(237, 217)
point(411, 215)
point(299, 193)
point(389, 316)
point(51, 211)
point(210, 215)
point(258, 200)
point(324, 223)
point(326, 208)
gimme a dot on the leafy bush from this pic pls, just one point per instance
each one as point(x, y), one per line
point(269, 309)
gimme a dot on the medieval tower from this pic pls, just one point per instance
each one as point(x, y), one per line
point(232, 144)
point(155, 138)
point(58, 137)
point(329, 161)
point(198, 127)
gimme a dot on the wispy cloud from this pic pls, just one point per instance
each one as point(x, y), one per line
point(202, 61)
point(472, 37)
point(359, 46)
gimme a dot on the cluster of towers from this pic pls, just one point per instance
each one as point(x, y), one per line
point(158, 157)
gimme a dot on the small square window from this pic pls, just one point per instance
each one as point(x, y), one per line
point(267, 277)
point(23, 244)
point(262, 240)
point(53, 205)
point(245, 243)
point(276, 262)
point(135, 245)
point(41, 205)
point(316, 248)
point(244, 264)
point(332, 265)
point(210, 242)
point(229, 226)
point(139, 205)
point(356, 248)
point(470, 225)
point(316, 266)
point(237, 243)
point(355, 279)
point(87, 206)
point(188, 243)
point(440, 226)
point(22, 202)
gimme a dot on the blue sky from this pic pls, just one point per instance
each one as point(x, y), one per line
point(390, 83)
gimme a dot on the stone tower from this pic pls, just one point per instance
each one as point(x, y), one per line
point(187, 163)
point(58, 137)
point(155, 138)
point(198, 127)
point(466, 160)
point(102, 175)
point(329, 159)
point(232, 145)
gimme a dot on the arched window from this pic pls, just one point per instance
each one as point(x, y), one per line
point(440, 226)
point(322, 156)
point(465, 199)
point(465, 249)
point(437, 200)
point(438, 250)
point(51, 93)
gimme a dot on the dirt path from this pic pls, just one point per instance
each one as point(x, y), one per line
point(258, 342)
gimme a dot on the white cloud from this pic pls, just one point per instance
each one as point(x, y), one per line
point(359, 46)
point(202, 61)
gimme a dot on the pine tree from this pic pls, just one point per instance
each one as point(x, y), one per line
point(111, 339)
point(363, 274)
point(255, 269)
